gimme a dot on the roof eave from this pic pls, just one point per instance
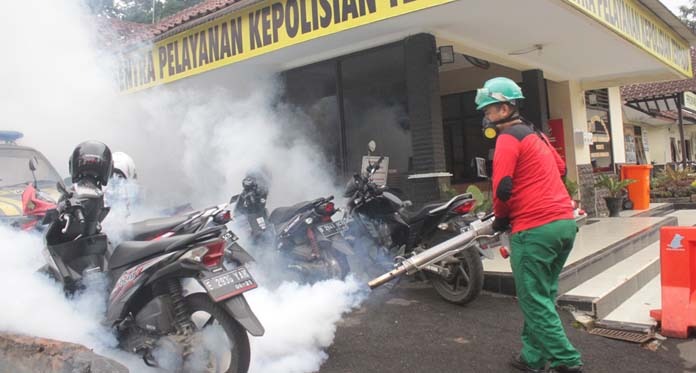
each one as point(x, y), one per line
point(666, 15)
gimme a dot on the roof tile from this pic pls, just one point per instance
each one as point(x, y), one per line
point(643, 90)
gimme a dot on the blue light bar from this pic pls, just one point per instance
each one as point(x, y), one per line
point(10, 137)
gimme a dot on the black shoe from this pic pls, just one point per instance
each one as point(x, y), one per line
point(566, 369)
point(518, 363)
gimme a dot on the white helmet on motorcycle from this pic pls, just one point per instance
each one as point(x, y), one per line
point(124, 166)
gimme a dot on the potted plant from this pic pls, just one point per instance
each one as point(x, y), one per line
point(572, 188)
point(615, 187)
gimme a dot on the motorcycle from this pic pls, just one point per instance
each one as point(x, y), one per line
point(163, 294)
point(189, 223)
point(251, 205)
point(381, 222)
point(310, 242)
point(479, 232)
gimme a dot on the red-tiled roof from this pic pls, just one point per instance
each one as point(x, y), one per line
point(125, 33)
point(116, 32)
point(188, 14)
point(643, 90)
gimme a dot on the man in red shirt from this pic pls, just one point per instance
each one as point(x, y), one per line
point(529, 195)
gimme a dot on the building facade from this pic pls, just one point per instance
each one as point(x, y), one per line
point(404, 73)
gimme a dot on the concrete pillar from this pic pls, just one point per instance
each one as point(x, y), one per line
point(567, 102)
point(616, 122)
point(535, 106)
point(425, 114)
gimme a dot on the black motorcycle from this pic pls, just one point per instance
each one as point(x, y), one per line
point(381, 223)
point(250, 205)
point(309, 241)
point(163, 293)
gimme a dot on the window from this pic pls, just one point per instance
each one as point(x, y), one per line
point(375, 107)
point(313, 89)
point(464, 140)
point(351, 100)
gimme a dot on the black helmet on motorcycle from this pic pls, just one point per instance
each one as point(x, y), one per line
point(91, 159)
point(249, 183)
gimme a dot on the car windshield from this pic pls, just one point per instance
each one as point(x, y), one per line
point(14, 169)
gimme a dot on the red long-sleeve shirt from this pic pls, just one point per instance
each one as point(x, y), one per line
point(527, 184)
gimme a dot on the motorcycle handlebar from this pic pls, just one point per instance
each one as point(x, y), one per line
point(79, 215)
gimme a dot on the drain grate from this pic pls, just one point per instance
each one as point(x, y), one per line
point(622, 335)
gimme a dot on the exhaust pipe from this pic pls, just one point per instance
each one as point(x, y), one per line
point(416, 262)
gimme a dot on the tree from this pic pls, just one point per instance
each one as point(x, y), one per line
point(688, 14)
point(140, 11)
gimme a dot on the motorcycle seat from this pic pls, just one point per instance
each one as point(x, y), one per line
point(411, 216)
point(129, 252)
point(430, 209)
point(151, 228)
point(283, 214)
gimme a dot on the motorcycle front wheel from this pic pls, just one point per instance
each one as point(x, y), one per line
point(465, 281)
point(220, 343)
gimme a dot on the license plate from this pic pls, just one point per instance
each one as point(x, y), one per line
point(229, 236)
point(333, 228)
point(228, 284)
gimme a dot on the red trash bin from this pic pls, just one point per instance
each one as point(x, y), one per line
point(638, 192)
point(678, 280)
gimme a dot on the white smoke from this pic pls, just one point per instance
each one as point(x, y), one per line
point(300, 321)
point(191, 144)
point(36, 306)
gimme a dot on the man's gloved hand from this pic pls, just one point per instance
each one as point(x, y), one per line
point(501, 224)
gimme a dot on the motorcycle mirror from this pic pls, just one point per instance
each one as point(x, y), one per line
point(32, 167)
point(372, 145)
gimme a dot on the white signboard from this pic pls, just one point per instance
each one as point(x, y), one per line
point(481, 167)
point(690, 101)
point(380, 177)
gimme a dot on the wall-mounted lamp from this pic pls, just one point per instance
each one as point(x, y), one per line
point(445, 54)
point(535, 47)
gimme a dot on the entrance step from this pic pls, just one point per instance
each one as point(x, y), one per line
point(575, 274)
point(634, 313)
point(656, 209)
point(599, 245)
point(603, 293)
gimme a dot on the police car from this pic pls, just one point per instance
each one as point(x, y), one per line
point(18, 179)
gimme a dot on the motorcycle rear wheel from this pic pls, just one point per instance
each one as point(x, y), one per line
point(337, 262)
point(465, 282)
point(240, 352)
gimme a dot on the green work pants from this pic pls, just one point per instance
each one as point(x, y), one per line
point(537, 258)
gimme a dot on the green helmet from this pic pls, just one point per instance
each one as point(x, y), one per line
point(498, 90)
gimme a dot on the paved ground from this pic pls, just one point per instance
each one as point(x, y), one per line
point(410, 329)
